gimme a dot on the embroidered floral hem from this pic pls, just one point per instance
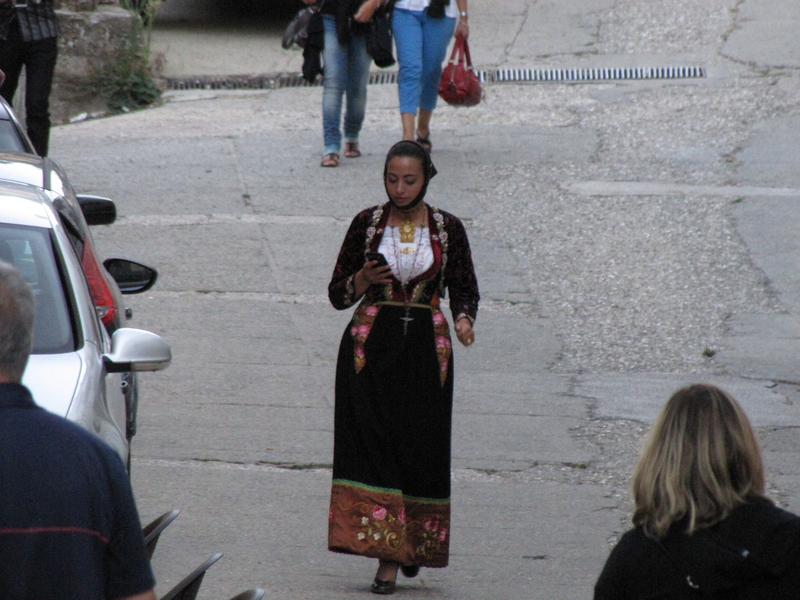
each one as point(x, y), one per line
point(382, 523)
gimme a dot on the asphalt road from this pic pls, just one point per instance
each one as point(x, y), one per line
point(629, 237)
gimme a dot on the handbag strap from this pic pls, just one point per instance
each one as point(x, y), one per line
point(457, 55)
point(465, 46)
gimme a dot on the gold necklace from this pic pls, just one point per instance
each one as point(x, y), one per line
point(407, 231)
point(407, 228)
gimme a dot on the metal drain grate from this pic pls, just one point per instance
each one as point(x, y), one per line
point(239, 82)
point(273, 82)
point(501, 75)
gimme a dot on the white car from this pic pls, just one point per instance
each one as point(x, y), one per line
point(80, 367)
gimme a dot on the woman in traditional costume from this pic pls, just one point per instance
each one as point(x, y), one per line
point(390, 497)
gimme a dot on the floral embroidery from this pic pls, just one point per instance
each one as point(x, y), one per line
point(383, 527)
point(444, 349)
point(383, 523)
point(431, 537)
point(362, 322)
point(443, 238)
point(373, 227)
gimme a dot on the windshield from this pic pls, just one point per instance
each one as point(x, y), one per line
point(9, 138)
point(30, 250)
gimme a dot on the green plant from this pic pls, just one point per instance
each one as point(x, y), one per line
point(128, 82)
point(146, 9)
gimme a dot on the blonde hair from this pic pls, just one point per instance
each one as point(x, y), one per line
point(701, 460)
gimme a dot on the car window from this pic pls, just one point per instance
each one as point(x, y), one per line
point(30, 250)
point(9, 137)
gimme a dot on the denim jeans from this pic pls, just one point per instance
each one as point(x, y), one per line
point(421, 47)
point(39, 59)
point(346, 70)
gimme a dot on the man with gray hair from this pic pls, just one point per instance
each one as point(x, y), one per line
point(68, 523)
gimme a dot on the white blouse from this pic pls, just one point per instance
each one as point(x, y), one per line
point(450, 10)
point(407, 260)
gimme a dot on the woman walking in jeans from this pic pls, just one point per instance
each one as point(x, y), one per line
point(346, 73)
point(422, 31)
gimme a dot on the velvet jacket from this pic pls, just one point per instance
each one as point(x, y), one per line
point(452, 270)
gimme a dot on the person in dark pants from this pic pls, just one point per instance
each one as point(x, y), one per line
point(29, 38)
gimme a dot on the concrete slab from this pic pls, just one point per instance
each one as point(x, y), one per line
point(762, 28)
point(771, 230)
point(504, 537)
point(772, 155)
point(763, 347)
point(640, 396)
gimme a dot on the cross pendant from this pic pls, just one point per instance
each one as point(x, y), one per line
point(406, 319)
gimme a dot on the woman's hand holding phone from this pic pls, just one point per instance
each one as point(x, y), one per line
point(376, 271)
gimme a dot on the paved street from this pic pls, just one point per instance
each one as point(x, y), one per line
point(629, 237)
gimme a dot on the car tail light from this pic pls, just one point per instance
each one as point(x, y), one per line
point(103, 297)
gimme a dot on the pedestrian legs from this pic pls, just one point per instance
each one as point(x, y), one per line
point(346, 70)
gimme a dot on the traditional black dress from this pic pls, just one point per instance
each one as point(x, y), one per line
point(390, 497)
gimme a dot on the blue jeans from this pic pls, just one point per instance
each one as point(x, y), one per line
point(421, 47)
point(346, 70)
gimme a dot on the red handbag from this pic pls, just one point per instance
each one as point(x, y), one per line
point(460, 84)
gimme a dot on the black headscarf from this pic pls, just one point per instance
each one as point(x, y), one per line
point(414, 150)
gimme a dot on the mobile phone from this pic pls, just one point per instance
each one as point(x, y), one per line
point(379, 257)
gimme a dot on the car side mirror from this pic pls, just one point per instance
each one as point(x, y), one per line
point(131, 277)
point(97, 210)
point(137, 350)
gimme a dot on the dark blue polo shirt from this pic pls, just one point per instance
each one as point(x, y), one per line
point(69, 528)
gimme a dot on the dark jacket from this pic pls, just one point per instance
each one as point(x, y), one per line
point(37, 21)
point(68, 522)
point(342, 11)
point(754, 554)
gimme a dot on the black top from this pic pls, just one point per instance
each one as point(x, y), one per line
point(37, 21)
point(753, 554)
point(68, 523)
point(343, 11)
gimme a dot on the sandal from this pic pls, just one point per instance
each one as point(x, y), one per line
point(424, 142)
point(330, 160)
point(351, 150)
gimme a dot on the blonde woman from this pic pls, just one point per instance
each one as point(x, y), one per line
point(703, 525)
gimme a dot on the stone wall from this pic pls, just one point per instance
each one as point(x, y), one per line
point(95, 34)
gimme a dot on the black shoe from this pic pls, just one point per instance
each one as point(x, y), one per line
point(410, 571)
point(383, 587)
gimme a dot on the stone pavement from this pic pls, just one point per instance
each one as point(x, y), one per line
point(619, 230)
